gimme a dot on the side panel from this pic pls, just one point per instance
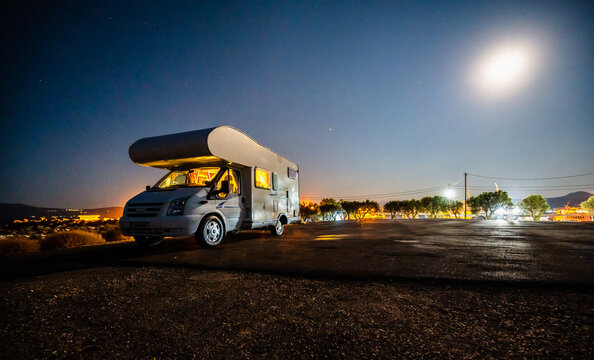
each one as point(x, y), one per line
point(269, 204)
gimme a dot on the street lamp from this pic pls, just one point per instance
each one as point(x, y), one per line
point(449, 193)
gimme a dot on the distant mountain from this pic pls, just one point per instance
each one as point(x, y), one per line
point(20, 211)
point(574, 199)
point(10, 212)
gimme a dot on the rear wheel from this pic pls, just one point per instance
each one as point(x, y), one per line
point(278, 228)
point(211, 232)
point(148, 241)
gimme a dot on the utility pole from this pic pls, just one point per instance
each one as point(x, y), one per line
point(465, 193)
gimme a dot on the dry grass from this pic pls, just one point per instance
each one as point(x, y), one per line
point(70, 239)
point(18, 246)
point(112, 233)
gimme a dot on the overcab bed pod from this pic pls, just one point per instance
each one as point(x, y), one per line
point(219, 180)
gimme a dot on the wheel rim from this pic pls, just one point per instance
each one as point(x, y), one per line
point(212, 232)
point(279, 227)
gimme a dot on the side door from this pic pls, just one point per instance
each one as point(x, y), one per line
point(231, 204)
point(282, 196)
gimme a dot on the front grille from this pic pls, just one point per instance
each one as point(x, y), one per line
point(143, 209)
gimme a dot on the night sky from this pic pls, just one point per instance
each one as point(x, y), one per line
point(367, 97)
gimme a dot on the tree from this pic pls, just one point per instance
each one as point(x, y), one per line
point(329, 207)
point(534, 205)
point(393, 207)
point(411, 208)
point(366, 207)
point(588, 205)
point(349, 207)
point(489, 202)
point(434, 204)
point(308, 210)
point(475, 204)
point(455, 207)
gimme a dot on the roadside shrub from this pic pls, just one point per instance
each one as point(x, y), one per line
point(70, 239)
point(112, 233)
point(18, 246)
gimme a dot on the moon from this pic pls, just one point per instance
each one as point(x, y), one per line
point(504, 69)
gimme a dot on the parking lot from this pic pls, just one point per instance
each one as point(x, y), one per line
point(559, 253)
point(379, 289)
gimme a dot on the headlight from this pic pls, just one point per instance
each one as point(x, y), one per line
point(176, 207)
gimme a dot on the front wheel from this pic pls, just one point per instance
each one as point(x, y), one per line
point(277, 229)
point(211, 232)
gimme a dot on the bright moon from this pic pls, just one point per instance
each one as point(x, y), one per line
point(503, 70)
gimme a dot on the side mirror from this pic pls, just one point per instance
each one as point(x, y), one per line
point(148, 187)
point(213, 194)
point(224, 187)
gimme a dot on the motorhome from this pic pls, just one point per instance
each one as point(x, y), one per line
point(219, 180)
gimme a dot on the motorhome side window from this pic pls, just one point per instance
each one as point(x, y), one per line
point(292, 173)
point(190, 177)
point(234, 182)
point(274, 181)
point(262, 178)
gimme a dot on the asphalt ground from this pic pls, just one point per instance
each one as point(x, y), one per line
point(448, 250)
point(375, 289)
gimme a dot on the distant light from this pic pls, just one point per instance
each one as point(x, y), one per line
point(516, 210)
point(449, 193)
point(500, 211)
point(504, 69)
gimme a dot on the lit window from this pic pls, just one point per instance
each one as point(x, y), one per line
point(262, 179)
point(192, 177)
point(232, 176)
point(202, 176)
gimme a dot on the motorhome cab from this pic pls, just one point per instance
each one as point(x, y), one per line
point(219, 180)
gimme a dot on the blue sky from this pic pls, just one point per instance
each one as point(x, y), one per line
point(367, 97)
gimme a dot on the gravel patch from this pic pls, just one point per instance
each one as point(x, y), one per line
point(154, 312)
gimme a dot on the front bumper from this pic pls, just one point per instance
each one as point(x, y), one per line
point(165, 226)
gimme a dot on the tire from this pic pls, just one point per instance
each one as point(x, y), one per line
point(211, 232)
point(277, 230)
point(148, 241)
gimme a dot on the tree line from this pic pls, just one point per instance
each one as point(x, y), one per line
point(328, 209)
point(488, 202)
point(432, 205)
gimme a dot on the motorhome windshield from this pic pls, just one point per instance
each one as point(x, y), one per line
point(189, 178)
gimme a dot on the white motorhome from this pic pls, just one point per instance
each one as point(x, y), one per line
point(219, 180)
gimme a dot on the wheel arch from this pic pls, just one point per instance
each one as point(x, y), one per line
point(218, 215)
